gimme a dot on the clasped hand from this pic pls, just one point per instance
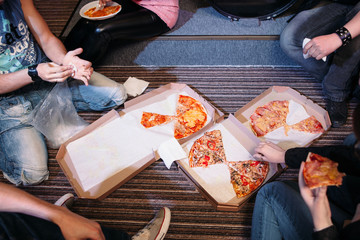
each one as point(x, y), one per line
point(72, 66)
point(322, 46)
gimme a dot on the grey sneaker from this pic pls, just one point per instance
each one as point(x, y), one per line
point(156, 229)
point(65, 201)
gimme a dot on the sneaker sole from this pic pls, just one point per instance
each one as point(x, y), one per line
point(164, 225)
point(64, 199)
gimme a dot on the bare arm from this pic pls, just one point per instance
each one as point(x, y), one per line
point(324, 45)
point(54, 50)
point(72, 225)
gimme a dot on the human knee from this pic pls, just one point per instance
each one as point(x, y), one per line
point(286, 40)
point(27, 176)
point(115, 91)
point(120, 95)
point(101, 94)
point(271, 189)
point(26, 168)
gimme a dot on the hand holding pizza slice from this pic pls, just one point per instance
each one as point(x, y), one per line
point(321, 171)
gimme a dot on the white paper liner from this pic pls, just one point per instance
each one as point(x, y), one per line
point(171, 151)
point(297, 113)
point(120, 143)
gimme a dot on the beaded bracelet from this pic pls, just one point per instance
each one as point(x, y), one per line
point(344, 35)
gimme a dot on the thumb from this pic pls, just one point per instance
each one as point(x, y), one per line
point(75, 52)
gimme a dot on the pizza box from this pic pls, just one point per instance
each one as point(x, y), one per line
point(238, 129)
point(286, 93)
point(214, 181)
point(84, 158)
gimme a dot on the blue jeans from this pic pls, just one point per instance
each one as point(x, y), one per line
point(281, 213)
point(338, 72)
point(23, 152)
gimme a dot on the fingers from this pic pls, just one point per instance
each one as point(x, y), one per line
point(301, 176)
point(259, 156)
point(52, 72)
point(84, 74)
point(75, 52)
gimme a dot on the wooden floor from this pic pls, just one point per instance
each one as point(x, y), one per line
point(132, 205)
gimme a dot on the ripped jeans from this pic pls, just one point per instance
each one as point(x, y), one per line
point(23, 152)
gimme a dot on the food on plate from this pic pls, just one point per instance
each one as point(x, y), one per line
point(247, 176)
point(207, 150)
point(321, 171)
point(190, 117)
point(149, 119)
point(103, 12)
point(273, 115)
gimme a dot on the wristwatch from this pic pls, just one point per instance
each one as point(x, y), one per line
point(32, 72)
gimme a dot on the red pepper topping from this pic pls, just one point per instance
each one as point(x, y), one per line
point(254, 163)
point(211, 145)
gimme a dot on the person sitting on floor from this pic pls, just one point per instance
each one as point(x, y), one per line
point(333, 29)
point(27, 75)
point(137, 20)
point(290, 210)
point(24, 216)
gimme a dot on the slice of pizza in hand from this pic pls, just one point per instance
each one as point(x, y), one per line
point(247, 176)
point(309, 125)
point(207, 150)
point(321, 171)
point(149, 119)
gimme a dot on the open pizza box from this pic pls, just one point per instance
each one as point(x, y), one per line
point(115, 148)
point(239, 144)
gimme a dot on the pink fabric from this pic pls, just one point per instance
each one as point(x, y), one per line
point(167, 10)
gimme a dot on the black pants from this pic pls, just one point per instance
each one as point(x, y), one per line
point(14, 226)
point(132, 23)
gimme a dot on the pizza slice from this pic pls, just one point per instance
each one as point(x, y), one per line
point(207, 150)
point(191, 117)
point(149, 119)
point(184, 103)
point(321, 171)
point(269, 117)
point(309, 125)
point(247, 176)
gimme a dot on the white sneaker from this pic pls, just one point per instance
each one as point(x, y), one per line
point(156, 229)
point(65, 201)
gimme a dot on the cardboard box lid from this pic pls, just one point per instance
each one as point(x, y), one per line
point(217, 197)
point(245, 135)
point(104, 188)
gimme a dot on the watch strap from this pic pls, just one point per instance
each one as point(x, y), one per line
point(32, 72)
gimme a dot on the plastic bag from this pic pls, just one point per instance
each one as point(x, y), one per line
point(56, 117)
